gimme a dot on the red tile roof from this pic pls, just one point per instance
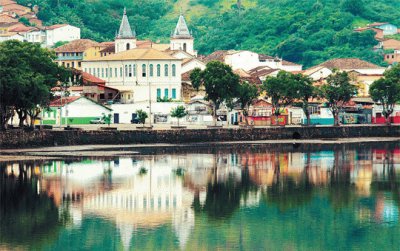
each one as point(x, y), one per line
point(88, 78)
point(63, 101)
point(79, 45)
point(55, 26)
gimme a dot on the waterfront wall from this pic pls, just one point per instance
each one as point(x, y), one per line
point(21, 138)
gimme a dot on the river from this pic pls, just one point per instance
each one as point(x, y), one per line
point(336, 197)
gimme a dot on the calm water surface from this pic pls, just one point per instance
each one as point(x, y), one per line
point(332, 198)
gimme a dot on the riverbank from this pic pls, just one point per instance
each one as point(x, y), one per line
point(43, 138)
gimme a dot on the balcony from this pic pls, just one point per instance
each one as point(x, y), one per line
point(64, 58)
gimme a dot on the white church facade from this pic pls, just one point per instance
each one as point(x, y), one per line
point(139, 73)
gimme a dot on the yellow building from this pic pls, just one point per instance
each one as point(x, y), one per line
point(73, 53)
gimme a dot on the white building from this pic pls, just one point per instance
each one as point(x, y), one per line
point(61, 32)
point(248, 60)
point(138, 73)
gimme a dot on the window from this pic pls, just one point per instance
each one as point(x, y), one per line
point(116, 72)
point(166, 70)
point(134, 70)
point(158, 93)
point(90, 70)
point(120, 72)
point(106, 72)
point(130, 70)
point(128, 46)
point(110, 72)
point(85, 70)
point(165, 93)
point(173, 70)
point(158, 70)
point(98, 72)
point(79, 64)
point(173, 93)
point(184, 46)
point(126, 70)
point(102, 72)
point(151, 70)
point(143, 70)
point(68, 65)
point(73, 64)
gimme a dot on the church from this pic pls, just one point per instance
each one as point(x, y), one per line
point(142, 69)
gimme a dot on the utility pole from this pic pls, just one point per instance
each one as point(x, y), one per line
point(150, 103)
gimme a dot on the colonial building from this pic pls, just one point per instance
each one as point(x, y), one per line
point(72, 54)
point(137, 72)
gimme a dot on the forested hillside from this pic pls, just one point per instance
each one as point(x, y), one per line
point(303, 31)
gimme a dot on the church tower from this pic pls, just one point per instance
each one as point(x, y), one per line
point(181, 38)
point(126, 38)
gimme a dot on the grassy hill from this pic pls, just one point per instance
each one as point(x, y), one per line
point(303, 31)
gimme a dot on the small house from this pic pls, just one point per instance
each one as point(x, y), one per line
point(72, 111)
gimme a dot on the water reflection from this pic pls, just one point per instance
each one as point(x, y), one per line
point(240, 200)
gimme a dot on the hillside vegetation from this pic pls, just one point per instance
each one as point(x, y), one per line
point(303, 31)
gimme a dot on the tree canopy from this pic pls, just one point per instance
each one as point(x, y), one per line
point(386, 91)
point(27, 74)
point(221, 84)
point(337, 91)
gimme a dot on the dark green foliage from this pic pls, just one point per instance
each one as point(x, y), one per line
point(178, 112)
point(337, 91)
point(386, 91)
point(27, 74)
point(141, 116)
point(306, 32)
point(221, 84)
point(247, 93)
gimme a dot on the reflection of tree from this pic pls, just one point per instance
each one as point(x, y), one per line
point(341, 191)
point(223, 198)
point(286, 193)
point(26, 217)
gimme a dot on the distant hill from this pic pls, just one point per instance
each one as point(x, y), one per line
point(302, 31)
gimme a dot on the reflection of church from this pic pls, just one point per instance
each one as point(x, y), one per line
point(122, 191)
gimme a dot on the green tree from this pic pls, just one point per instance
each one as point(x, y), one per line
point(221, 84)
point(281, 92)
point(304, 92)
point(142, 116)
point(247, 93)
point(178, 112)
point(27, 74)
point(337, 91)
point(107, 118)
point(386, 91)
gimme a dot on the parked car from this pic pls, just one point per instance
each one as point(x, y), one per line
point(97, 121)
point(134, 119)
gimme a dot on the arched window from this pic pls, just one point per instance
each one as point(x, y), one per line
point(143, 70)
point(173, 70)
point(130, 70)
point(158, 70)
point(128, 46)
point(134, 70)
point(184, 46)
point(166, 70)
point(151, 70)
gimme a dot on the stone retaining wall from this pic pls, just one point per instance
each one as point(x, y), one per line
point(21, 138)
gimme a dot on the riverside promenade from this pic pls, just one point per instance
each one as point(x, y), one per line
point(17, 138)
